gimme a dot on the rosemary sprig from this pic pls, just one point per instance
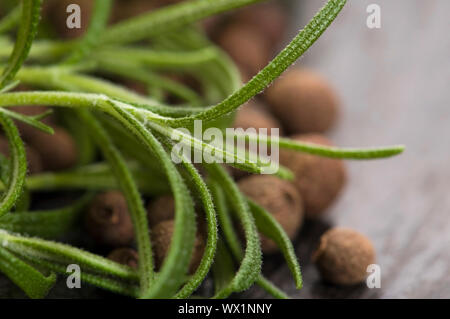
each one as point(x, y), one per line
point(27, 31)
point(17, 169)
point(302, 42)
point(130, 190)
point(174, 270)
point(169, 18)
point(45, 224)
point(142, 128)
point(34, 283)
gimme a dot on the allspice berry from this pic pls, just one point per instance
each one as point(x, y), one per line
point(108, 220)
point(161, 209)
point(319, 180)
point(125, 256)
point(303, 101)
point(161, 236)
point(58, 151)
point(34, 160)
point(278, 197)
point(343, 256)
point(268, 18)
point(246, 46)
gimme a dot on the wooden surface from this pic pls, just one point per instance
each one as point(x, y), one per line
point(395, 88)
point(394, 83)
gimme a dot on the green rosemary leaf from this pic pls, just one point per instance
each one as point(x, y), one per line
point(131, 193)
point(97, 24)
point(270, 288)
point(27, 31)
point(173, 271)
point(132, 149)
point(18, 166)
point(219, 77)
point(90, 178)
point(233, 242)
point(211, 243)
point(135, 72)
point(167, 19)
point(105, 281)
point(46, 224)
point(30, 280)
point(58, 78)
point(41, 249)
point(327, 151)
point(219, 154)
point(28, 120)
point(10, 20)
point(42, 115)
point(250, 268)
point(268, 225)
point(226, 224)
point(9, 87)
point(278, 65)
point(158, 59)
point(223, 268)
point(42, 50)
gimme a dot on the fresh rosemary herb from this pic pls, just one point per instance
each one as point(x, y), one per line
point(134, 134)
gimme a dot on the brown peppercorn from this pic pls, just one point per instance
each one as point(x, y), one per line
point(268, 18)
point(125, 256)
point(318, 179)
point(212, 25)
point(343, 256)
point(278, 197)
point(246, 46)
point(58, 151)
point(161, 235)
point(58, 15)
point(161, 209)
point(303, 101)
point(108, 220)
point(34, 160)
